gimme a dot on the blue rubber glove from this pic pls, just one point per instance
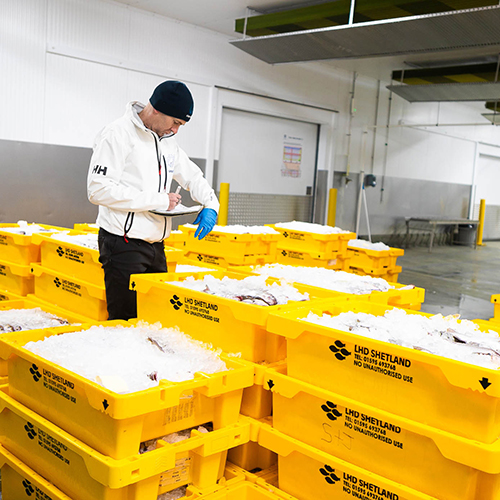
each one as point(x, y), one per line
point(206, 221)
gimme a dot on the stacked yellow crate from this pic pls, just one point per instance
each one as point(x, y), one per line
point(17, 252)
point(70, 275)
point(313, 245)
point(231, 246)
point(231, 325)
point(359, 417)
point(237, 327)
point(59, 428)
point(368, 259)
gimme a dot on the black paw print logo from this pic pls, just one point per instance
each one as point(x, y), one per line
point(30, 429)
point(60, 251)
point(200, 258)
point(36, 374)
point(29, 489)
point(338, 349)
point(58, 283)
point(285, 234)
point(331, 410)
point(329, 473)
point(284, 253)
point(175, 301)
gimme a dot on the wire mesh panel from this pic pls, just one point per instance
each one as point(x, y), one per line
point(257, 209)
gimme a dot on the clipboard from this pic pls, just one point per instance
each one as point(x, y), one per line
point(178, 211)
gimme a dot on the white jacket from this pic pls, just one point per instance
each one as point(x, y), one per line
point(130, 173)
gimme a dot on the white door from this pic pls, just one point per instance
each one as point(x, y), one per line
point(271, 160)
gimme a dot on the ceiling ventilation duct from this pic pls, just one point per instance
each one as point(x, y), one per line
point(459, 29)
point(487, 91)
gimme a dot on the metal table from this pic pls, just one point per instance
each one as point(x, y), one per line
point(433, 223)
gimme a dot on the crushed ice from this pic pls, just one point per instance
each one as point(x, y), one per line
point(130, 359)
point(321, 277)
point(186, 268)
point(14, 320)
point(251, 290)
point(239, 229)
point(368, 245)
point(440, 335)
point(88, 240)
point(309, 227)
point(25, 228)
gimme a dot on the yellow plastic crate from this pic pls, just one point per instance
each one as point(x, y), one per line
point(6, 295)
point(399, 296)
point(73, 260)
point(16, 278)
point(257, 400)
point(311, 474)
point(177, 239)
point(252, 456)
point(446, 394)
point(229, 324)
point(20, 481)
point(268, 476)
point(246, 490)
point(81, 472)
point(435, 462)
point(86, 228)
point(230, 246)
point(390, 275)
point(366, 258)
point(309, 242)
point(18, 248)
point(173, 256)
point(70, 293)
point(225, 262)
point(30, 302)
point(311, 259)
point(115, 424)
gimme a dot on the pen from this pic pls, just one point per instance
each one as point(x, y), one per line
point(178, 190)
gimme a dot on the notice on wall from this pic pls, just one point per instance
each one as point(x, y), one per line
point(292, 156)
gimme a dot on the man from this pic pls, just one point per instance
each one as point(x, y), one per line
point(134, 161)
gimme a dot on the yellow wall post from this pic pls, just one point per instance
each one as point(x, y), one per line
point(224, 203)
point(480, 227)
point(332, 207)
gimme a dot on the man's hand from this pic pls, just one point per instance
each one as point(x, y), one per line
point(175, 199)
point(206, 222)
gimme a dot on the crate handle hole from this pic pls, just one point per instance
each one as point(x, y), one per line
point(136, 472)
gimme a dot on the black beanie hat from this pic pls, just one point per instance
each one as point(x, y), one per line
point(173, 99)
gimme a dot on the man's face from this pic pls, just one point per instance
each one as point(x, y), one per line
point(165, 125)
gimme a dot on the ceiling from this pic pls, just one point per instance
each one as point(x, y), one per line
point(220, 16)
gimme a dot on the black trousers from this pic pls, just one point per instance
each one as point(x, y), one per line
point(120, 258)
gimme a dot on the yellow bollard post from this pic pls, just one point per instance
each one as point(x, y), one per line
point(480, 227)
point(224, 204)
point(332, 207)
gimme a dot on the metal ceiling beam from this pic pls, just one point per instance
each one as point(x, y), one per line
point(489, 91)
point(409, 35)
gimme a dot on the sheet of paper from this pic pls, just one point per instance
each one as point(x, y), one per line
point(178, 210)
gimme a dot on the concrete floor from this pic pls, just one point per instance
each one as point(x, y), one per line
point(456, 279)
